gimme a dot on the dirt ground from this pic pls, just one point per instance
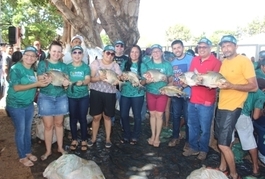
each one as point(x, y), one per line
point(122, 161)
point(10, 167)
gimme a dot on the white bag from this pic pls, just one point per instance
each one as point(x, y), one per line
point(40, 130)
point(206, 173)
point(70, 166)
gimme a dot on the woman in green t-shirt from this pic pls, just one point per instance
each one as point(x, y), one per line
point(78, 96)
point(19, 102)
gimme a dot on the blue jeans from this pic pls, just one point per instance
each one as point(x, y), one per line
point(78, 108)
point(199, 122)
point(144, 110)
point(125, 104)
point(22, 120)
point(179, 107)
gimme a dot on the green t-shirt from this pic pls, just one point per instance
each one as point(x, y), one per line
point(45, 66)
point(164, 67)
point(127, 89)
point(19, 75)
point(260, 73)
point(254, 100)
point(77, 74)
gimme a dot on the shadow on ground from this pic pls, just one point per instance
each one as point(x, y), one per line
point(140, 161)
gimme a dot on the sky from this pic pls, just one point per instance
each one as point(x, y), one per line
point(156, 16)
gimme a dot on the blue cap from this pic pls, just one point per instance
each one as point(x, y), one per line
point(77, 47)
point(262, 54)
point(31, 49)
point(119, 42)
point(228, 38)
point(156, 46)
point(109, 48)
point(206, 41)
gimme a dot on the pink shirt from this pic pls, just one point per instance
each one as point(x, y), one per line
point(101, 85)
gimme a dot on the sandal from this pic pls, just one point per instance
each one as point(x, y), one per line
point(123, 141)
point(26, 162)
point(44, 156)
point(238, 177)
point(150, 142)
point(133, 142)
point(156, 143)
point(83, 145)
point(257, 175)
point(73, 145)
point(31, 157)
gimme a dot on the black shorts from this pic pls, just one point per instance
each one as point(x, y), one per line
point(225, 122)
point(102, 102)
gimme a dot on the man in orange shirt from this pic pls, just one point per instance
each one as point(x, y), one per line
point(241, 79)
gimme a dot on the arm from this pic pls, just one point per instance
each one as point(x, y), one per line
point(40, 83)
point(257, 112)
point(251, 86)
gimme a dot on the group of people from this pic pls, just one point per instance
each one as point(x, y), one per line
point(91, 91)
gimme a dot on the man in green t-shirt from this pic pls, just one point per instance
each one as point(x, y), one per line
point(252, 106)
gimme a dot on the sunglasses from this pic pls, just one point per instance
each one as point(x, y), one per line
point(109, 53)
point(75, 52)
point(119, 45)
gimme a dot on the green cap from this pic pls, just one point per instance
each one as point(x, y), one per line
point(228, 38)
point(77, 47)
point(109, 48)
point(31, 49)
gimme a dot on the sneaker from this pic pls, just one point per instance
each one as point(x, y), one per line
point(90, 143)
point(186, 146)
point(202, 156)
point(108, 145)
point(173, 142)
point(190, 152)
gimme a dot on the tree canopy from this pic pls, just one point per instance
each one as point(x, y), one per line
point(41, 22)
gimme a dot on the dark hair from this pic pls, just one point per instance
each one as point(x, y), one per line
point(177, 42)
point(191, 52)
point(52, 44)
point(128, 64)
point(214, 53)
point(16, 56)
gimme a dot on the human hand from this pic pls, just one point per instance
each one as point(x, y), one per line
point(225, 85)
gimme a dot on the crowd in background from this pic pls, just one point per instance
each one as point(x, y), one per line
point(85, 89)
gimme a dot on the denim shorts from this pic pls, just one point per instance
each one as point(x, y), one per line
point(52, 105)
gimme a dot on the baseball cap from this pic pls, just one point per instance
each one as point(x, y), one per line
point(109, 48)
point(228, 38)
point(262, 54)
point(156, 46)
point(77, 37)
point(77, 47)
point(31, 49)
point(206, 41)
point(119, 42)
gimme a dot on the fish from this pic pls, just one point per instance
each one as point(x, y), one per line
point(111, 76)
point(172, 91)
point(187, 79)
point(58, 78)
point(132, 77)
point(210, 79)
point(155, 76)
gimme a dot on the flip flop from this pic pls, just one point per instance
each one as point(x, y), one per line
point(257, 175)
point(73, 145)
point(26, 162)
point(44, 157)
point(150, 142)
point(83, 145)
point(31, 157)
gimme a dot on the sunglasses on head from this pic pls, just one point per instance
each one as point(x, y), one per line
point(109, 53)
point(75, 52)
point(119, 45)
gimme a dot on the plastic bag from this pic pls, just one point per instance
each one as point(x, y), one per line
point(206, 173)
point(70, 166)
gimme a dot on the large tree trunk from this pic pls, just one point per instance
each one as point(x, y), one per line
point(88, 17)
